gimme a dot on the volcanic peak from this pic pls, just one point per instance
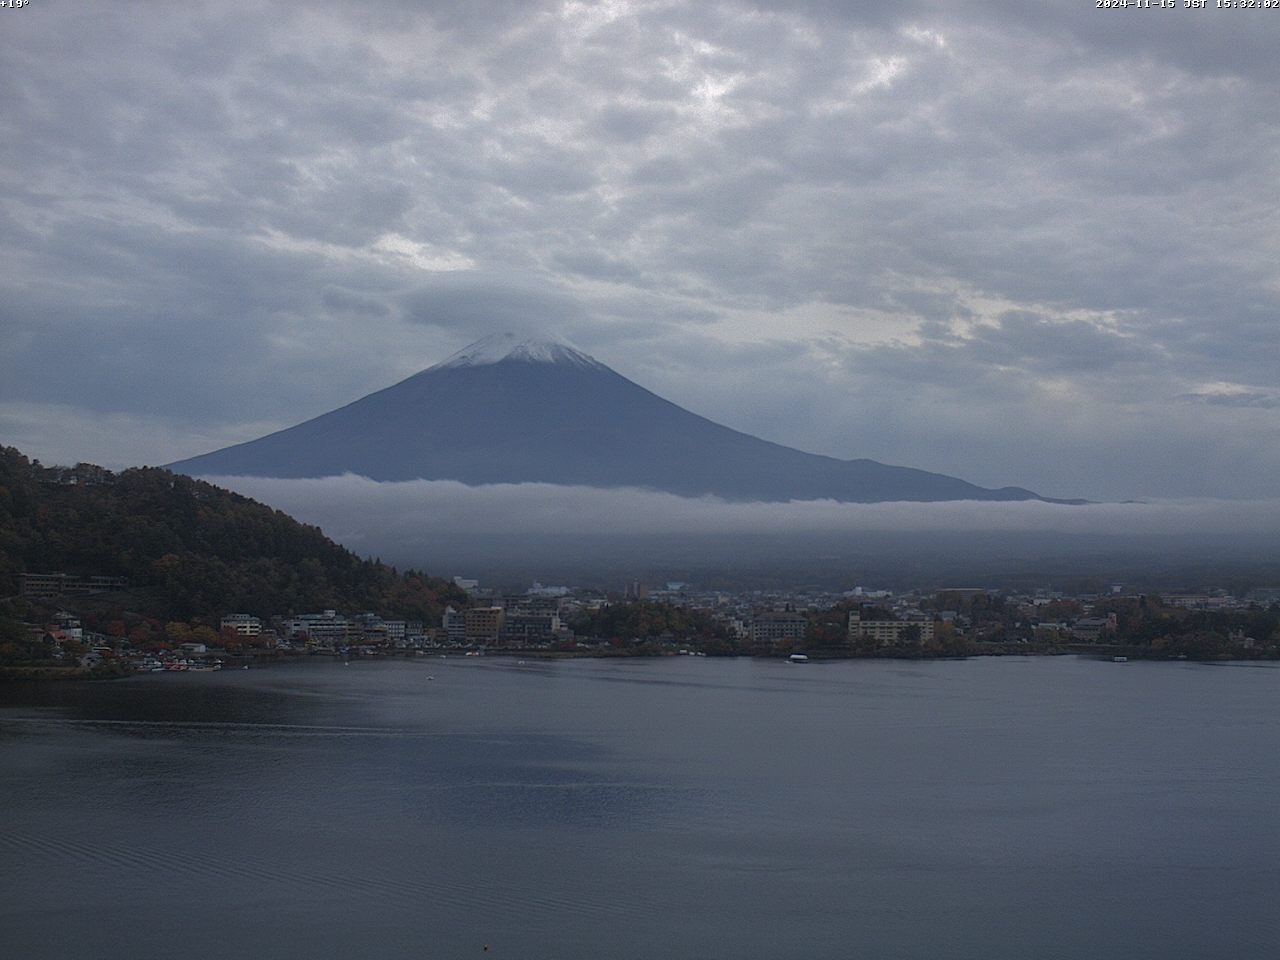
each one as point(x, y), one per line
point(513, 409)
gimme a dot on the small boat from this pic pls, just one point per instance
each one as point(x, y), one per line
point(797, 658)
point(1119, 659)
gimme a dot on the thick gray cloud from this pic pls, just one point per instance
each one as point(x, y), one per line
point(1028, 244)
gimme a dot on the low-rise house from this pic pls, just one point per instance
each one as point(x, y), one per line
point(1093, 629)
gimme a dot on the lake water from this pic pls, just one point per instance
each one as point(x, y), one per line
point(990, 808)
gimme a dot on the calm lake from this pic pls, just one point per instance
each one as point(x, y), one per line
point(683, 807)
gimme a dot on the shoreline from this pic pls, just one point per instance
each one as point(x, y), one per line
point(46, 673)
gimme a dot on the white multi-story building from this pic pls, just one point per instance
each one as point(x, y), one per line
point(455, 625)
point(322, 628)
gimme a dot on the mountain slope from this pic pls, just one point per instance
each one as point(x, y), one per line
point(507, 410)
point(188, 548)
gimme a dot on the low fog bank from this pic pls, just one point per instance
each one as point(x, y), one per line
point(518, 532)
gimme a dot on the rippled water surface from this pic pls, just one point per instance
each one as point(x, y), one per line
point(992, 808)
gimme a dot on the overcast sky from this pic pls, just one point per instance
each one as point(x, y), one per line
point(1021, 243)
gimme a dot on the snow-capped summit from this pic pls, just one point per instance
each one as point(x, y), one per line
point(515, 346)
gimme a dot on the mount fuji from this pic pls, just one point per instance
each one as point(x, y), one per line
point(509, 409)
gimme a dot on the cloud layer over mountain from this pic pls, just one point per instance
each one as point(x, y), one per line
point(445, 524)
point(1030, 244)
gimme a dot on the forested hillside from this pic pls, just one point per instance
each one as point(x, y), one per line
point(189, 549)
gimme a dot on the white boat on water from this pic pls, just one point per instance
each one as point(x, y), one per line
point(797, 658)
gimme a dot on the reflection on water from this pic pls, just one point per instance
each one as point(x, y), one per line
point(687, 807)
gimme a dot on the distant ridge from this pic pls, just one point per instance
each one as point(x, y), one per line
point(513, 409)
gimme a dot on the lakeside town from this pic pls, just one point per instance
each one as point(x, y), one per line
point(108, 574)
point(75, 633)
